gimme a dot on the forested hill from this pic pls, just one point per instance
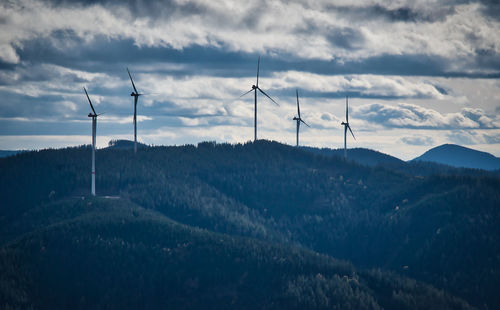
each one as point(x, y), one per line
point(438, 229)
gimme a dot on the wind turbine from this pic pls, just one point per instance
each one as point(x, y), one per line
point(254, 89)
point(136, 95)
point(298, 119)
point(94, 125)
point(346, 126)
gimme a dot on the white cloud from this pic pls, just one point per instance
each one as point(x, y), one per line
point(468, 137)
point(8, 54)
point(417, 140)
point(300, 29)
point(405, 115)
point(123, 120)
point(204, 107)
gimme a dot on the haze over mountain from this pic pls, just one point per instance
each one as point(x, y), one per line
point(459, 156)
point(242, 226)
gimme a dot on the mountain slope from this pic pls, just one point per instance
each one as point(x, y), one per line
point(459, 156)
point(376, 217)
point(102, 253)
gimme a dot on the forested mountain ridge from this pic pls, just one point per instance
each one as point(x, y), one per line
point(360, 155)
point(440, 229)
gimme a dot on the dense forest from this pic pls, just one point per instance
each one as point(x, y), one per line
point(255, 225)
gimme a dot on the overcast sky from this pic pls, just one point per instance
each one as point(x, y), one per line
point(418, 73)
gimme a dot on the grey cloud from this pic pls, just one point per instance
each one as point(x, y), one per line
point(491, 8)
point(38, 73)
point(492, 139)
point(346, 38)
point(41, 107)
point(400, 14)
point(139, 8)
point(441, 89)
point(463, 137)
point(469, 137)
point(414, 116)
point(481, 118)
point(417, 140)
point(326, 117)
point(211, 24)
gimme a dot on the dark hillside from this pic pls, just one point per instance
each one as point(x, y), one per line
point(102, 253)
point(441, 229)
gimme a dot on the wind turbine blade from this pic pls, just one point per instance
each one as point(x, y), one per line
point(298, 108)
point(305, 123)
point(346, 110)
point(133, 85)
point(267, 96)
point(91, 106)
point(246, 92)
point(258, 67)
point(351, 132)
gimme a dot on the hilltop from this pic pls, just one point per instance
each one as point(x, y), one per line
point(435, 230)
point(360, 155)
point(459, 156)
point(124, 144)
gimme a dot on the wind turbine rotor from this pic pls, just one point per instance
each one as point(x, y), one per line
point(346, 110)
point(91, 106)
point(133, 85)
point(347, 126)
point(247, 92)
point(267, 96)
point(258, 67)
point(298, 106)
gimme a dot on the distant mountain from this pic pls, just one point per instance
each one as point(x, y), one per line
point(459, 156)
point(362, 156)
point(372, 158)
point(124, 144)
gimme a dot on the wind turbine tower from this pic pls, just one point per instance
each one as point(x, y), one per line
point(136, 95)
point(298, 119)
point(254, 89)
point(346, 126)
point(94, 125)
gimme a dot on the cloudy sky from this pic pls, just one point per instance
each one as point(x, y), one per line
point(418, 73)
